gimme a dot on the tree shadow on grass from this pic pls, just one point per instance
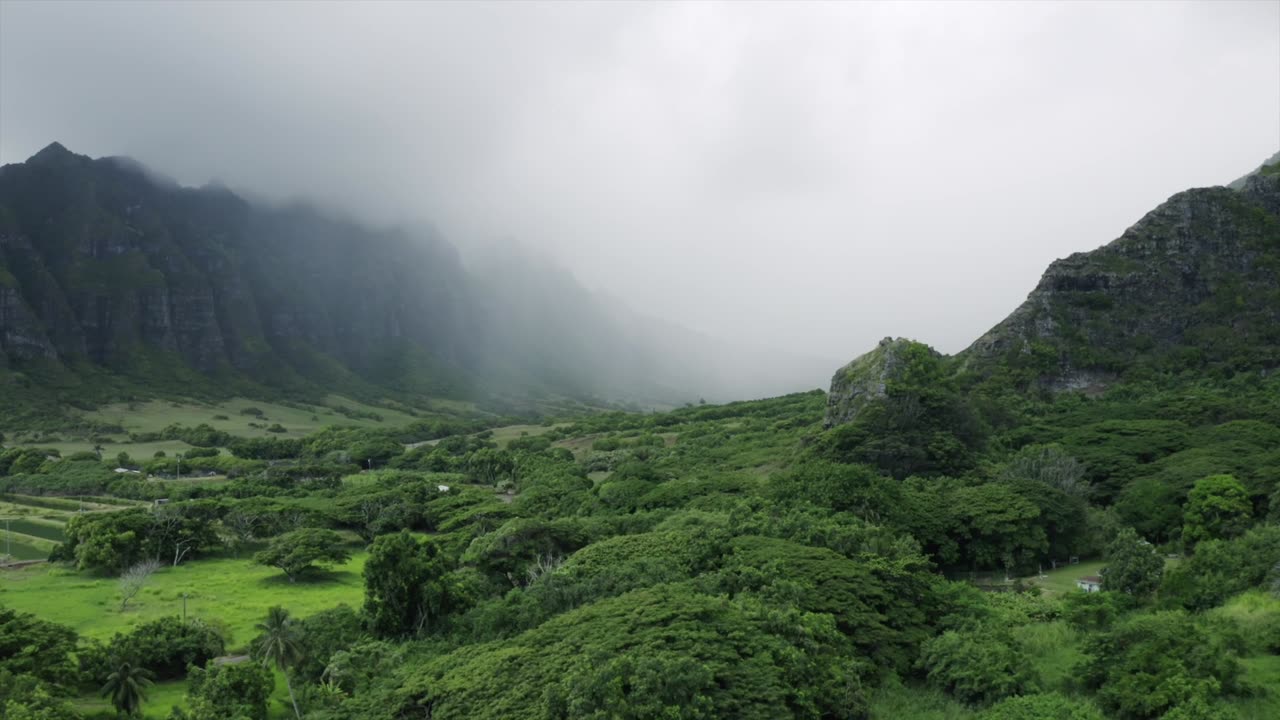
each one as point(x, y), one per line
point(315, 577)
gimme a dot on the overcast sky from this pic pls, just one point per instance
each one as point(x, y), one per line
point(807, 176)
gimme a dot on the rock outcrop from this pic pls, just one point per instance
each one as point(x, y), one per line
point(1195, 283)
point(867, 379)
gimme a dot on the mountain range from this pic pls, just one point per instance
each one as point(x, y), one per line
point(115, 281)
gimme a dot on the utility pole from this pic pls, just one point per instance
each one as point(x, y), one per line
point(8, 539)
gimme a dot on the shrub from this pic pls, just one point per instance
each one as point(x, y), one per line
point(1048, 706)
point(980, 665)
point(1150, 664)
point(231, 690)
point(165, 646)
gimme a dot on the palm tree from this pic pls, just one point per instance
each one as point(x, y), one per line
point(127, 687)
point(278, 645)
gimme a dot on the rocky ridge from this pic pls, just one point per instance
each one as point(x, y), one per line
point(1193, 285)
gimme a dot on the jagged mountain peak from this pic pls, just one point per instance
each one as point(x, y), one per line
point(55, 154)
point(52, 150)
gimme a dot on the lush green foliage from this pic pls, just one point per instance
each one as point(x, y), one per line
point(712, 561)
point(35, 648)
point(1222, 568)
point(228, 690)
point(111, 542)
point(1218, 507)
point(979, 665)
point(126, 687)
point(1050, 706)
point(1151, 664)
point(165, 647)
point(407, 586)
point(304, 549)
point(1133, 565)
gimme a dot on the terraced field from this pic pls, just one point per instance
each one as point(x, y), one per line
point(30, 527)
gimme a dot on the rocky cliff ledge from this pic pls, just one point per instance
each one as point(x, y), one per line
point(867, 379)
point(1195, 284)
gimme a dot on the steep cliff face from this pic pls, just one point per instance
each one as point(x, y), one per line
point(102, 263)
point(1193, 285)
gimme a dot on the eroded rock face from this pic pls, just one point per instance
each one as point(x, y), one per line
point(101, 261)
point(866, 380)
point(1191, 283)
point(20, 332)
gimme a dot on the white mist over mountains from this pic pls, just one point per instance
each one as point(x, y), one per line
point(801, 179)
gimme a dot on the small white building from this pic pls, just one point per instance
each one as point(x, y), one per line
point(1089, 583)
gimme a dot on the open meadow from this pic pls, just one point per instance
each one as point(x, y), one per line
point(238, 416)
point(233, 593)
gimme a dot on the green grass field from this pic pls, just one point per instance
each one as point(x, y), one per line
point(31, 527)
point(1064, 578)
point(44, 529)
point(23, 547)
point(161, 697)
point(51, 508)
point(233, 593)
point(504, 435)
point(155, 415)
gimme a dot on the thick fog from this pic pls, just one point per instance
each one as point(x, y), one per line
point(807, 178)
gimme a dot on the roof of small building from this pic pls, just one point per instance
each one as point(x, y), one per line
point(230, 659)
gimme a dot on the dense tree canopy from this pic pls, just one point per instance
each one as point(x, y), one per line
point(1134, 566)
point(1217, 508)
point(301, 550)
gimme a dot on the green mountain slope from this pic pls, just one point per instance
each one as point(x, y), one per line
point(1192, 287)
point(105, 268)
point(116, 283)
point(1191, 290)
